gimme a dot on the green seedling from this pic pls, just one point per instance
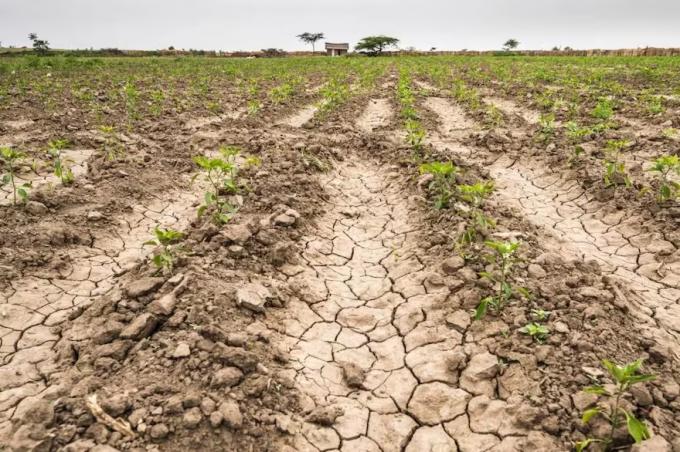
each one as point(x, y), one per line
point(11, 158)
point(536, 331)
point(614, 169)
point(666, 166)
point(444, 177)
point(547, 126)
point(415, 134)
point(540, 314)
point(624, 377)
point(63, 172)
point(254, 107)
point(475, 195)
point(670, 132)
point(165, 240)
point(112, 146)
point(222, 174)
point(503, 258)
point(604, 109)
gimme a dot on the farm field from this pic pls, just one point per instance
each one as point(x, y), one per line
point(356, 254)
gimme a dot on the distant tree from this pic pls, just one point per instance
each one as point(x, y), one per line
point(311, 38)
point(556, 49)
point(41, 46)
point(273, 52)
point(171, 48)
point(510, 44)
point(433, 49)
point(567, 49)
point(374, 45)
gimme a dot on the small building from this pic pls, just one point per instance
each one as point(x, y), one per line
point(337, 49)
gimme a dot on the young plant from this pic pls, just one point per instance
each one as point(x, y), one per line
point(112, 147)
point(503, 258)
point(475, 195)
point(165, 239)
point(624, 377)
point(63, 172)
point(415, 135)
point(665, 166)
point(614, 169)
point(443, 179)
point(536, 331)
point(10, 157)
point(222, 175)
point(604, 109)
point(547, 126)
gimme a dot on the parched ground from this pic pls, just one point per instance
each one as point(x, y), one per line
point(333, 312)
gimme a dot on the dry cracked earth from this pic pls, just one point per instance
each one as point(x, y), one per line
point(380, 359)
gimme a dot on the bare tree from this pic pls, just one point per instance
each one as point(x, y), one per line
point(41, 46)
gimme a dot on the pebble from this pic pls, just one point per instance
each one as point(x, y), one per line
point(159, 431)
point(182, 351)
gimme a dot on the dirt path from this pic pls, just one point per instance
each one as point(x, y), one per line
point(375, 115)
point(383, 363)
point(301, 117)
point(35, 304)
point(371, 337)
point(645, 262)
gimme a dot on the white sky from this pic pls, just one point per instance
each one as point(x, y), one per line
point(256, 24)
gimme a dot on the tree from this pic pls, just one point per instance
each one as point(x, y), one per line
point(311, 38)
point(510, 44)
point(41, 46)
point(374, 45)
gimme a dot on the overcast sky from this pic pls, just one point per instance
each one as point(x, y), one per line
point(256, 24)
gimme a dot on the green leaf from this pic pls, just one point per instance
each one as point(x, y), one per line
point(596, 389)
point(636, 428)
point(589, 414)
point(22, 193)
point(480, 312)
point(583, 445)
point(150, 243)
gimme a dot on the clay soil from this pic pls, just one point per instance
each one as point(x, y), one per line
point(334, 311)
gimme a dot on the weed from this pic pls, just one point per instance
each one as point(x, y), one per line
point(475, 195)
point(536, 331)
point(614, 169)
point(503, 258)
point(665, 166)
point(63, 172)
point(112, 146)
point(443, 179)
point(11, 157)
point(165, 239)
point(540, 314)
point(624, 377)
point(222, 175)
point(604, 109)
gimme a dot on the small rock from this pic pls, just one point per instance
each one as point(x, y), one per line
point(536, 271)
point(459, 320)
point(231, 414)
point(561, 327)
point(36, 208)
point(94, 215)
point(182, 351)
point(642, 396)
point(192, 418)
point(583, 400)
point(116, 405)
point(236, 233)
point(216, 418)
point(164, 306)
point(325, 415)
point(143, 286)
point(142, 326)
point(226, 377)
point(284, 220)
point(253, 296)
point(451, 265)
point(159, 431)
point(208, 405)
point(354, 375)
point(656, 443)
